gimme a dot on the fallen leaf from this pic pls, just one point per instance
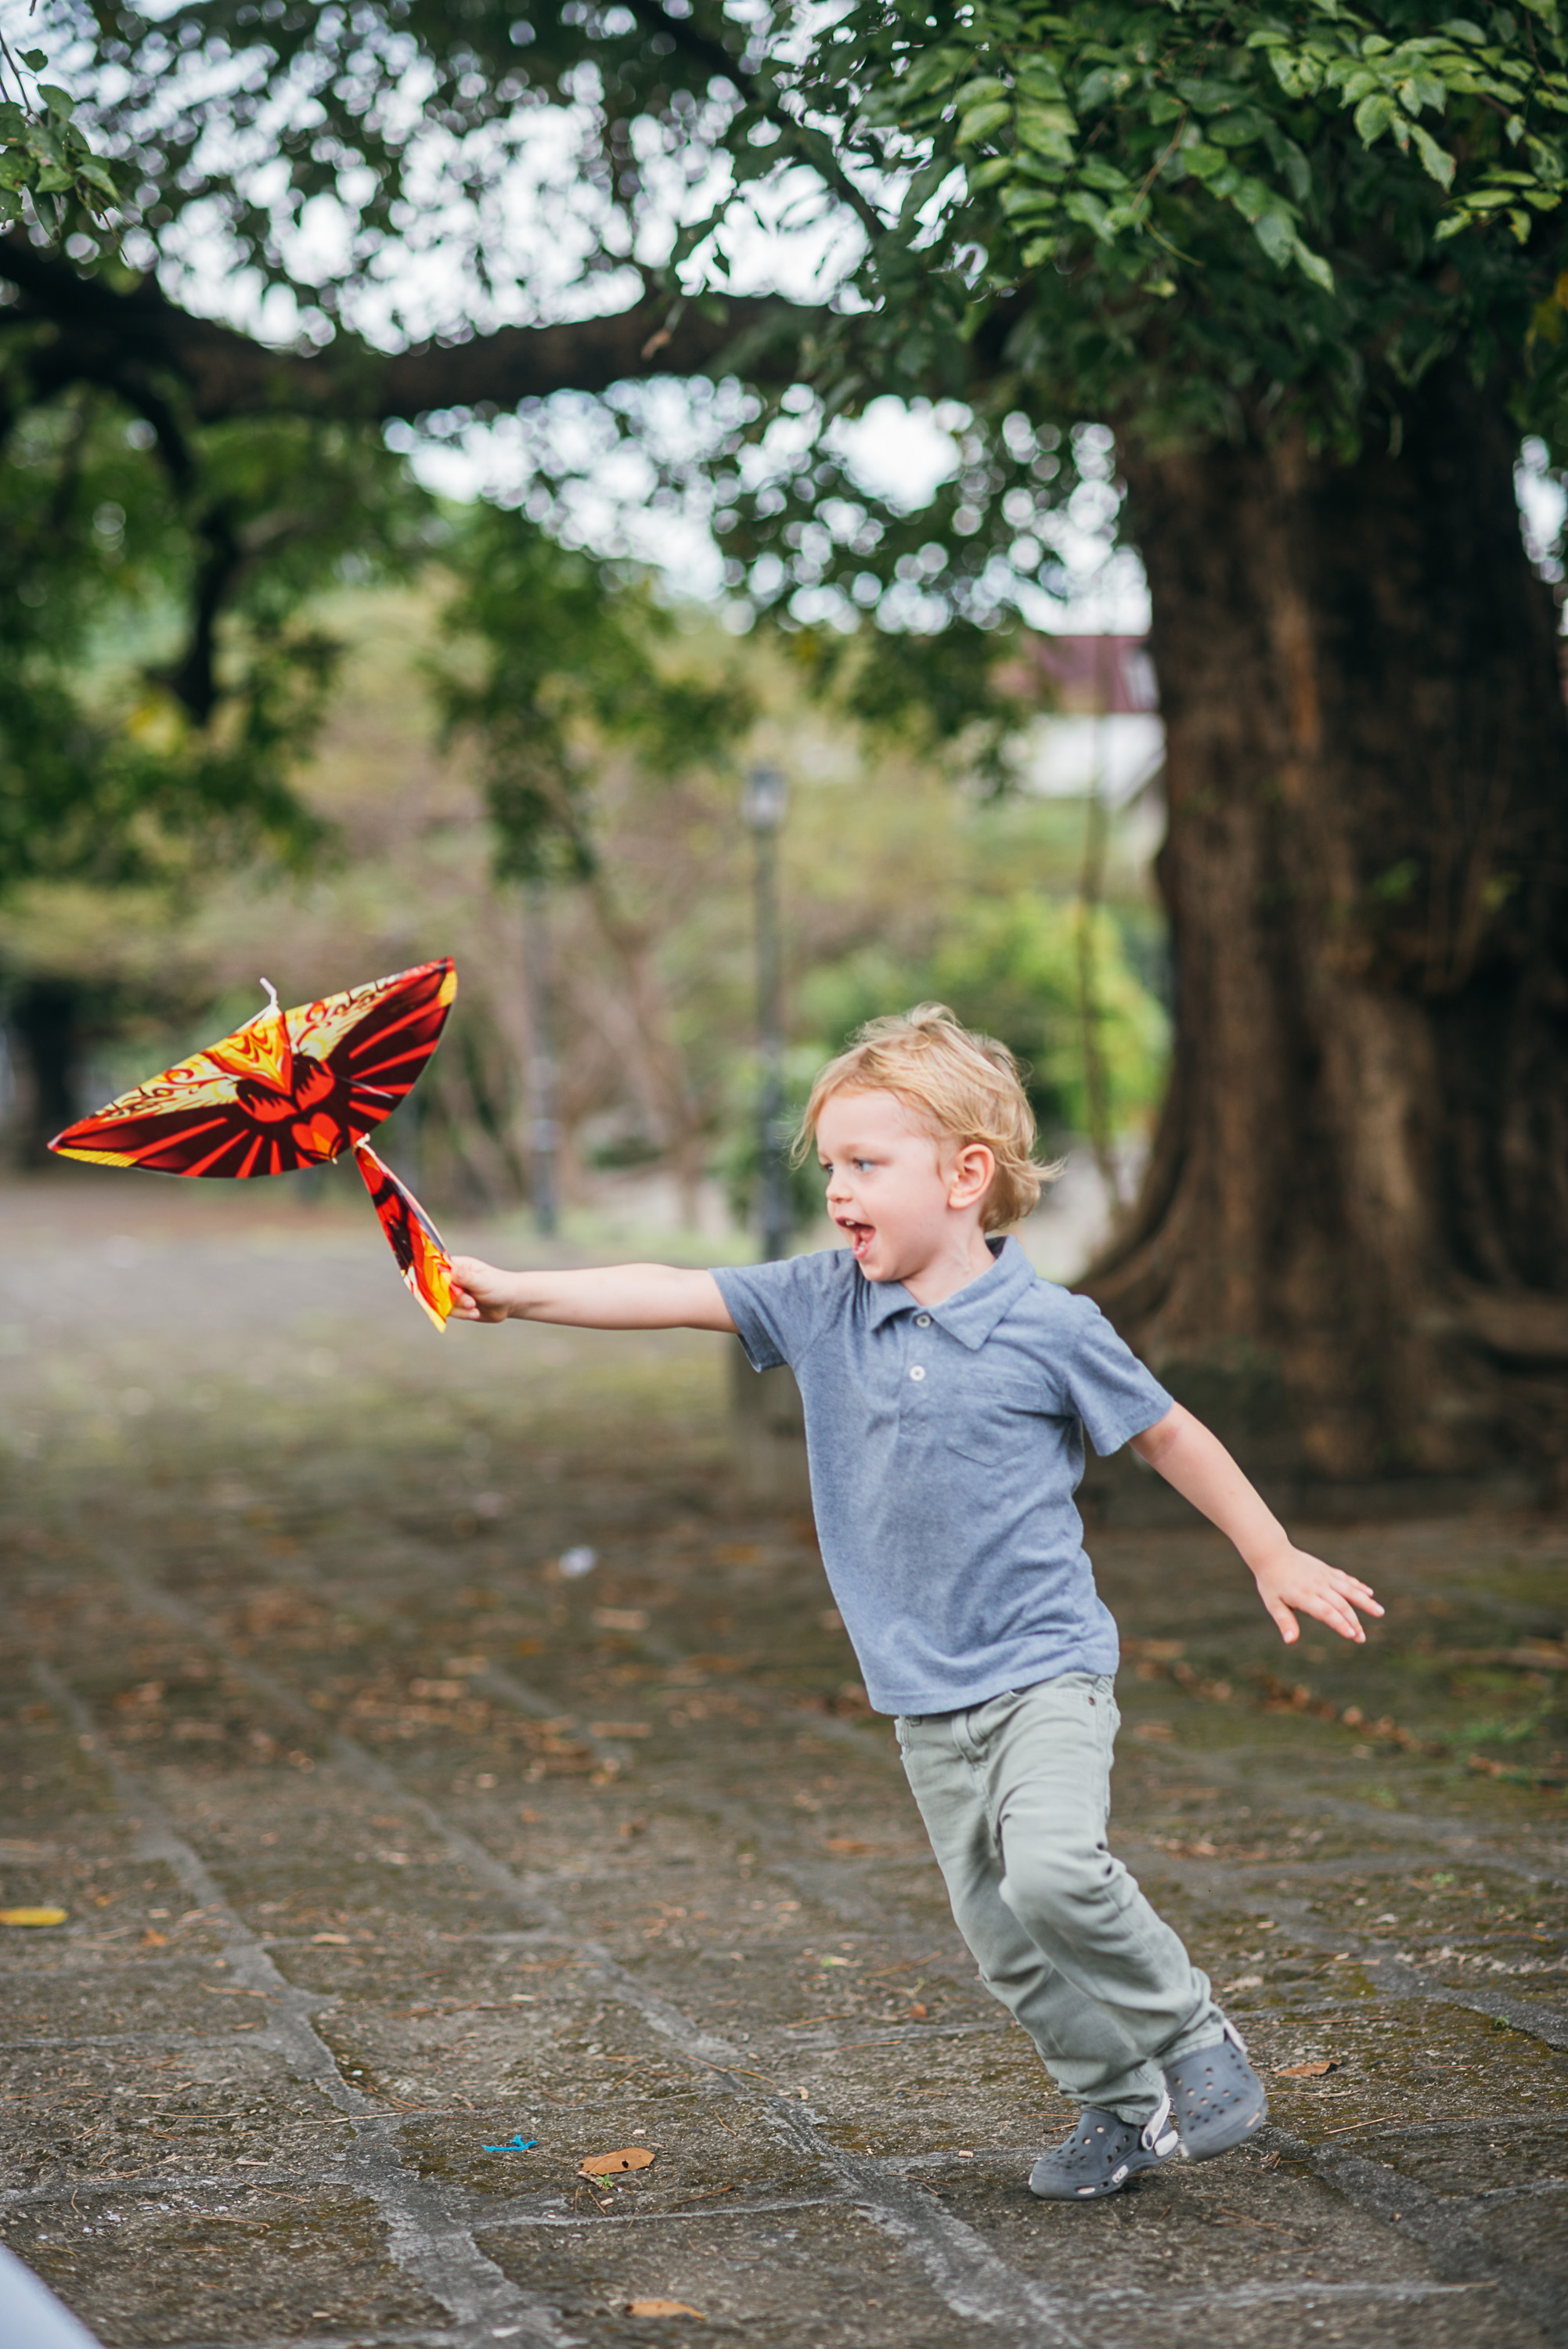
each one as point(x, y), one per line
point(150, 1940)
point(663, 2308)
point(610, 2165)
point(620, 1729)
point(528, 1647)
point(339, 1939)
point(1243, 1982)
point(621, 1618)
point(849, 1844)
point(1305, 2071)
point(33, 1915)
point(1153, 1732)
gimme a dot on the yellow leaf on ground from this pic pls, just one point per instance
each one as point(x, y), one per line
point(1305, 2071)
point(336, 1939)
point(620, 1729)
point(33, 1915)
point(663, 2308)
point(849, 1844)
point(610, 2165)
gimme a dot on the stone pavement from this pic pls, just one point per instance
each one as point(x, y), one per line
point(404, 1873)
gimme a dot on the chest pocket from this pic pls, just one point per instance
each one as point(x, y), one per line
point(996, 1421)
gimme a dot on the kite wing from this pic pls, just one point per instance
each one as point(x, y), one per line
point(426, 1266)
point(289, 1089)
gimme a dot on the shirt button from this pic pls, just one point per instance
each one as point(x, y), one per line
point(917, 1373)
point(922, 1320)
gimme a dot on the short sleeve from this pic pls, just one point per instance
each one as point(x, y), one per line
point(1113, 1392)
point(776, 1307)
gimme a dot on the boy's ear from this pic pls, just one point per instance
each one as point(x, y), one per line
point(974, 1171)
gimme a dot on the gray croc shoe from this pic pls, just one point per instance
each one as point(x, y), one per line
point(1102, 2154)
point(1216, 2097)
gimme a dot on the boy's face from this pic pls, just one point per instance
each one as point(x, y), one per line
point(903, 1196)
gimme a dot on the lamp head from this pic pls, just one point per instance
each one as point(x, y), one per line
point(764, 799)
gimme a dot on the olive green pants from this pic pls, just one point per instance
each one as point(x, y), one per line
point(1015, 1797)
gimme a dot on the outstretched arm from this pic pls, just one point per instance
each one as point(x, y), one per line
point(1198, 1464)
point(612, 1297)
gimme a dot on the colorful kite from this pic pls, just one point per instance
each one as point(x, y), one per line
point(295, 1089)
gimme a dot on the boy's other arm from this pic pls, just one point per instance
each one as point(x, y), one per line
point(1198, 1464)
point(611, 1297)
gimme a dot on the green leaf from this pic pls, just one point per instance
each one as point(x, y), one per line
point(34, 60)
point(1312, 265)
point(1204, 161)
point(981, 121)
point(98, 175)
point(1276, 231)
point(1037, 78)
point(60, 103)
point(975, 92)
point(1163, 107)
point(1238, 130)
point(1439, 162)
point(986, 174)
point(1104, 176)
point(1423, 89)
point(1103, 85)
point(1373, 116)
point(1048, 130)
point(1081, 206)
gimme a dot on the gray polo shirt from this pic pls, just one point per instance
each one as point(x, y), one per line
point(946, 1444)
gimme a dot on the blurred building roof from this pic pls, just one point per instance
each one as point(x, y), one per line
point(1092, 676)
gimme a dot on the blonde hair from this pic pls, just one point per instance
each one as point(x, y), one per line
point(962, 1084)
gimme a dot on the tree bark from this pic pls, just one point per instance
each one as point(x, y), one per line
point(1351, 1242)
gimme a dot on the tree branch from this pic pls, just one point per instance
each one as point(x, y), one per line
point(134, 343)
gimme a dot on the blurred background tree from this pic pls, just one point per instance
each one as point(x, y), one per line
point(1290, 287)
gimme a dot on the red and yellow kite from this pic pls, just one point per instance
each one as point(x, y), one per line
point(295, 1089)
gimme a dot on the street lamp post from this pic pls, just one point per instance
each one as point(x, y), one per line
point(543, 1075)
point(763, 805)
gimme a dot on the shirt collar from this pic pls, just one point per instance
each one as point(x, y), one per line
point(972, 1313)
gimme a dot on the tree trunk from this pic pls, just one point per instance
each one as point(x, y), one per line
point(1352, 1244)
point(46, 1023)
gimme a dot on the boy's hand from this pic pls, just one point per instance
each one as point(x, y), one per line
point(480, 1293)
point(1295, 1580)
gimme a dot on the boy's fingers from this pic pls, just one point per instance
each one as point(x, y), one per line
point(1340, 1618)
point(1289, 1628)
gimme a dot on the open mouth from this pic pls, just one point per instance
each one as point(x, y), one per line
point(861, 1234)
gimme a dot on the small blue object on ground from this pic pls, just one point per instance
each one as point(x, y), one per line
point(518, 2144)
point(30, 2315)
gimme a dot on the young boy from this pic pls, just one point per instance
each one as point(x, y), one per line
point(947, 1389)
